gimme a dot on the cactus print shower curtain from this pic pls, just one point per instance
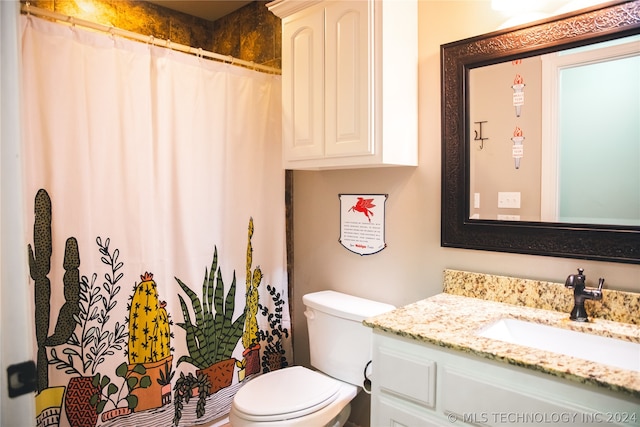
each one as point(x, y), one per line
point(155, 229)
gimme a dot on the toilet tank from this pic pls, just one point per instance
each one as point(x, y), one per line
point(339, 344)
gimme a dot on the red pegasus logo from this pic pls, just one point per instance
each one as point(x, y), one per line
point(364, 206)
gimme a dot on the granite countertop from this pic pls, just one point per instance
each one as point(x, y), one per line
point(452, 321)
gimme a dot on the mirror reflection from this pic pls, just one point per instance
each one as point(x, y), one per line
point(556, 137)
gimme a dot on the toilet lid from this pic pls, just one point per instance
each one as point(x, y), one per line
point(286, 393)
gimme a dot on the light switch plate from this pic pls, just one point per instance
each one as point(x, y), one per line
point(509, 199)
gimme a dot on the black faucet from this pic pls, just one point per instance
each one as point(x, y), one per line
point(582, 293)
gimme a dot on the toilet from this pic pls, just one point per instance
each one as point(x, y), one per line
point(340, 349)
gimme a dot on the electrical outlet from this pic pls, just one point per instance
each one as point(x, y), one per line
point(509, 199)
point(509, 217)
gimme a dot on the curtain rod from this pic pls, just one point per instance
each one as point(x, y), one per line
point(32, 10)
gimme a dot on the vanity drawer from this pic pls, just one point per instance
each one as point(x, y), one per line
point(403, 373)
point(393, 412)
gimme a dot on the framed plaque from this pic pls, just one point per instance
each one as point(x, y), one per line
point(362, 222)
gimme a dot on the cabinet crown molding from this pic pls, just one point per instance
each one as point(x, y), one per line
point(285, 8)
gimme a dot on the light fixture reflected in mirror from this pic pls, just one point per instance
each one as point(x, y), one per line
point(520, 12)
point(513, 7)
point(576, 5)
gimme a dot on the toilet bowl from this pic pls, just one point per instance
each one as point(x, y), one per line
point(340, 350)
point(292, 397)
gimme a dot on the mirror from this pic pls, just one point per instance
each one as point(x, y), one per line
point(576, 159)
point(465, 130)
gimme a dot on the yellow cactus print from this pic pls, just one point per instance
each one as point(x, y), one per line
point(149, 326)
point(250, 334)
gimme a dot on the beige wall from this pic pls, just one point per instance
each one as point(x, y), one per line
point(411, 266)
point(493, 166)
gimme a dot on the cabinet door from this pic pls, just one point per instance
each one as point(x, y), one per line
point(303, 85)
point(347, 77)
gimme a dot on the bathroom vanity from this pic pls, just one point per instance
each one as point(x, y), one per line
point(449, 359)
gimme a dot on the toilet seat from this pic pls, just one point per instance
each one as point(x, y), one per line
point(285, 394)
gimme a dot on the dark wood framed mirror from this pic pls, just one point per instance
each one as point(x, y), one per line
point(594, 241)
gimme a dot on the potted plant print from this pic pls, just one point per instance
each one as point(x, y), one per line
point(149, 340)
point(274, 355)
point(91, 342)
point(212, 334)
point(110, 394)
point(49, 406)
point(164, 381)
point(185, 385)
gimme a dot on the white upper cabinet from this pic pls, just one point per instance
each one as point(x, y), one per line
point(349, 83)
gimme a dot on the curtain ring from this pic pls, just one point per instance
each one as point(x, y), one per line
point(151, 40)
point(200, 52)
point(27, 7)
point(168, 44)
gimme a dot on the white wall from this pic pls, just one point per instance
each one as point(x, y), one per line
point(16, 332)
point(411, 266)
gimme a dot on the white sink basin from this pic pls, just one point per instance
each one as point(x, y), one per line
point(605, 350)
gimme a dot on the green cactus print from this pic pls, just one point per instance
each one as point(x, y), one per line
point(39, 268)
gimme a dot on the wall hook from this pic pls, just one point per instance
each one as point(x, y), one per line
point(478, 134)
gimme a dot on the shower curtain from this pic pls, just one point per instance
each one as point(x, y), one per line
point(155, 229)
